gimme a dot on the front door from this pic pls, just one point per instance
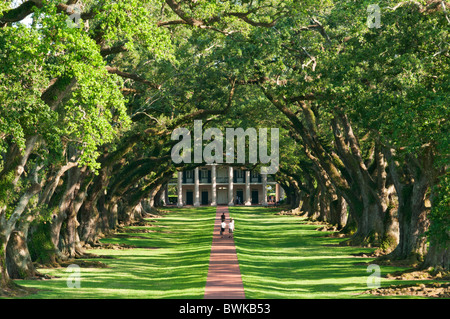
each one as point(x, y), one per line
point(222, 196)
point(255, 197)
point(189, 198)
point(205, 198)
point(240, 196)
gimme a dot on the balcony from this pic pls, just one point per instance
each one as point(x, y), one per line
point(221, 180)
point(255, 179)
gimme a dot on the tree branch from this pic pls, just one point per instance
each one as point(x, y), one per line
point(26, 8)
point(113, 50)
point(206, 24)
point(132, 76)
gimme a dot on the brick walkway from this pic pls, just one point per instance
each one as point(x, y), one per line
point(224, 277)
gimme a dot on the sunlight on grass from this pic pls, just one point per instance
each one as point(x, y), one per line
point(282, 257)
point(279, 257)
point(172, 262)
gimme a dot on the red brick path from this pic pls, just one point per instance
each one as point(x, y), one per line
point(224, 277)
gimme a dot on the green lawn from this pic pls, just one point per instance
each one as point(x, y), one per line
point(283, 257)
point(173, 264)
point(279, 257)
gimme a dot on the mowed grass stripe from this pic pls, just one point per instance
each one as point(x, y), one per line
point(282, 257)
point(172, 263)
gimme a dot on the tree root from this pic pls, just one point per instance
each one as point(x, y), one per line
point(15, 290)
point(434, 290)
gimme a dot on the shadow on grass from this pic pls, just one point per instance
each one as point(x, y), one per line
point(176, 266)
point(282, 257)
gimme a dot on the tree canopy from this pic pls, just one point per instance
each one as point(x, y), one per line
point(90, 92)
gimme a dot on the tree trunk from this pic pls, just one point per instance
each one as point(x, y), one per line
point(89, 214)
point(338, 212)
point(438, 257)
point(315, 212)
point(412, 184)
point(306, 207)
point(107, 220)
point(5, 280)
point(350, 225)
point(41, 246)
point(64, 226)
point(370, 227)
point(8, 226)
point(413, 224)
point(89, 218)
point(18, 259)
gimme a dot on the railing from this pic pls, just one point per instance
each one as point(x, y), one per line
point(221, 179)
point(256, 179)
point(206, 180)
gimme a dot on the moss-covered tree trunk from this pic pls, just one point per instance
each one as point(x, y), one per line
point(5, 280)
point(412, 185)
point(64, 224)
point(438, 257)
point(40, 244)
point(18, 259)
point(338, 212)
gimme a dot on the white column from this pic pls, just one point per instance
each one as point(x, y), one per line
point(230, 186)
point(180, 189)
point(166, 194)
point(248, 200)
point(277, 192)
point(163, 197)
point(213, 186)
point(264, 186)
point(196, 188)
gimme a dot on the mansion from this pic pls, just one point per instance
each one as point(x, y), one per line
point(217, 184)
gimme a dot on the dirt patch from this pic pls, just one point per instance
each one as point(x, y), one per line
point(374, 254)
point(291, 212)
point(337, 234)
point(130, 236)
point(115, 246)
point(432, 290)
point(17, 291)
point(89, 263)
point(136, 231)
point(327, 228)
point(123, 246)
point(414, 274)
point(84, 263)
point(159, 213)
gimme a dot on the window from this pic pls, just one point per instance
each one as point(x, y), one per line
point(240, 173)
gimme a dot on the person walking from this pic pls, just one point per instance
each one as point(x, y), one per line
point(222, 228)
point(231, 228)
point(223, 217)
